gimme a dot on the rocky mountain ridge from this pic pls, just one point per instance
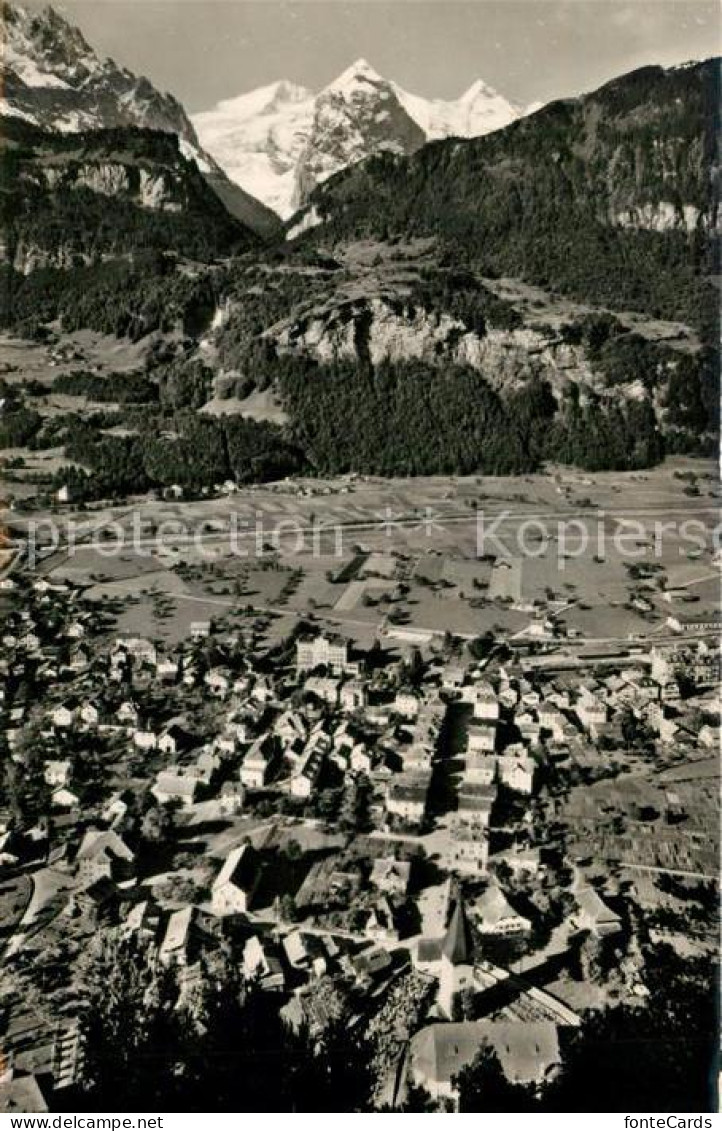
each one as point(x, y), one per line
point(53, 79)
point(77, 198)
point(280, 140)
point(612, 197)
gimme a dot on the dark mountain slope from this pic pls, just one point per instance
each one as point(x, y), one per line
point(69, 199)
point(610, 198)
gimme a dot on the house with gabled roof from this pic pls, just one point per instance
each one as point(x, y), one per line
point(261, 961)
point(128, 713)
point(175, 947)
point(480, 767)
point(516, 771)
point(167, 669)
point(142, 921)
point(528, 1052)
point(304, 780)
point(496, 916)
point(258, 763)
point(353, 695)
point(139, 648)
point(145, 739)
point(103, 853)
point(175, 738)
point(485, 703)
point(468, 851)
point(474, 804)
point(407, 704)
point(236, 883)
point(57, 772)
point(218, 681)
point(391, 876)
point(64, 798)
point(380, 921)
point(482, 736)
point(593, 914)
point(64, 715)
point(171, 786)
point(406, 796)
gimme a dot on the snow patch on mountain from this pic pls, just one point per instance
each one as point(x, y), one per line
point(480, 110)
point(279, 140)
point(258, 138)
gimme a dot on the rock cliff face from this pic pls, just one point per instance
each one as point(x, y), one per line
point(77, 198)
point(358, 114)
point(664, 216)
point(381, 329)
point(148, 188)
point(26, 256)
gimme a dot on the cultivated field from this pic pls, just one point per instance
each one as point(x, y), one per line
point(596, 552)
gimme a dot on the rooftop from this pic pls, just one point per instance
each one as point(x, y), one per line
point(526, 1049)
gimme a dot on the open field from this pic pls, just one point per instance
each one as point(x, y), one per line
point(259, 405)
point(434, 554)
point(22, 361)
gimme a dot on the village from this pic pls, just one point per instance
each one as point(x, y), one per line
point(448, 842)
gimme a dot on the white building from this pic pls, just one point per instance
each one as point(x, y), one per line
point(304, 780)
point(479, 767)
point(486, 705)
point(175, 787)
point(516, 771)
point(407, 704)
point(56, 772)
point(406, 796)
point(141, 649)
point(468, 851)
point(257, 764)
point(236, 883)
point(324, 651)
point(482, 736)
point(497, 916)
point(353, 696)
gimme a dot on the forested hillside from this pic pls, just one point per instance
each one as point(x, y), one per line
point(71, 199)
point(609, 198)
point(402, 334)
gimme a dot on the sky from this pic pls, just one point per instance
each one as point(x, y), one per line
point(529, 50)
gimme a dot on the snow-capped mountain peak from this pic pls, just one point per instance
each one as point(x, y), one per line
point(480, 110)
point(42, 49)
point(285, 93)
point(356, 115)
point(359, 72)
point(280, 140)
point(51, 78)
point(478, 89)
point(260, 136)
point(264, 100)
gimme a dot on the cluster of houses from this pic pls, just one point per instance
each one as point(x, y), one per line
point(444, 747)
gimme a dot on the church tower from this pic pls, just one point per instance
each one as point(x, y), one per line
point(457, 953)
